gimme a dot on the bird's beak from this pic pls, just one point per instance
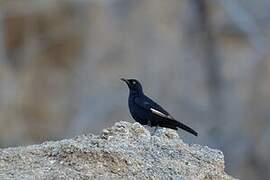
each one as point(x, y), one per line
point(125, 80)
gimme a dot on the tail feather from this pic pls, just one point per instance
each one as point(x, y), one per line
point(173, 124)
point(186, 128)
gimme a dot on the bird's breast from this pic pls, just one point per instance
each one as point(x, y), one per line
point(140, 115)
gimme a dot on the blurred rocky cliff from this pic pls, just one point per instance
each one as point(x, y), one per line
point(206, 61)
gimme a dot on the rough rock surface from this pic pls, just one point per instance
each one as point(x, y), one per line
point(124, 151)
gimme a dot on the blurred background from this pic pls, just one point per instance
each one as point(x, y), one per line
point(206, 61)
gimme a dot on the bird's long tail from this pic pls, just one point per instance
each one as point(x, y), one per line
point(186, 128)
point(173, 124)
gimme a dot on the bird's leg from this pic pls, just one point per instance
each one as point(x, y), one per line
point(150, 125)
point(155, 129)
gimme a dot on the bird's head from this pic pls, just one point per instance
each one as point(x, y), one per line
point(134, 85)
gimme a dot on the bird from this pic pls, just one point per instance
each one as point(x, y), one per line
point(147, 112)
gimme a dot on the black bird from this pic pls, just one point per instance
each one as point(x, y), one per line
point(145, 111)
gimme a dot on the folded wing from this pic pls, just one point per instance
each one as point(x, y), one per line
point(162, 117)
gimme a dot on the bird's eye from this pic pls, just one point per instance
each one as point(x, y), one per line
point(133, 82)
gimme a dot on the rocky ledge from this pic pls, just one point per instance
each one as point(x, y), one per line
point(124, 151)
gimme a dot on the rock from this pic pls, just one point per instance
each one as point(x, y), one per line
point(124, 151)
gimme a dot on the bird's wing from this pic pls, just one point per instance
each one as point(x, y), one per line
point(148, 104)
point(163, 117)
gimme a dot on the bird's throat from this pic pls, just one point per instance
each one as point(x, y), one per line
point(135, 93)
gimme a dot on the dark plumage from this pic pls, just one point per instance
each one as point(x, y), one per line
point(145, 111)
